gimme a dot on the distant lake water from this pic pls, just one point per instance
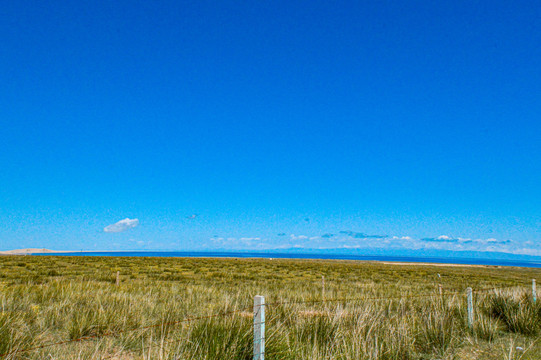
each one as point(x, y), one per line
point(278, 255)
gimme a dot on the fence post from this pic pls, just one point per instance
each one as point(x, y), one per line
point(323, 287)
point(534, 291)
point(470, 307)
point(259, 327)
point(117, 278)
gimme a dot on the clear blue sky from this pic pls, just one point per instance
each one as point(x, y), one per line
point(412, 120)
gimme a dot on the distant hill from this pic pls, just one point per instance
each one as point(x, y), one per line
point(27, 251)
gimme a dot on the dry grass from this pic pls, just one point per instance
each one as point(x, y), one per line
point(53, 299)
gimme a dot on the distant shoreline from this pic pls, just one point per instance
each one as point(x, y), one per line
point(381, 258)
point(32, 251)
point(35, 251)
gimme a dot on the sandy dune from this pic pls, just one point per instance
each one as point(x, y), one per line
point(27, 251)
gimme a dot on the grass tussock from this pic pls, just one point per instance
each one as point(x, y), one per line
point(516, 312)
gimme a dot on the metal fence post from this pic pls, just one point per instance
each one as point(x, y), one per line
point(470, 307)
point(259, 327)
point(534, 291)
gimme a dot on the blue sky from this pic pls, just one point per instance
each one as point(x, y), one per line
point(414, 124)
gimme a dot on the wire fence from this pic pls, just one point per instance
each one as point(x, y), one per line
point(247, 309)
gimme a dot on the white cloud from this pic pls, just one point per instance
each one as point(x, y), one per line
point(141, 242)
point(121, 226)
point(245, 242)
point(345, 241)
point(248, 239)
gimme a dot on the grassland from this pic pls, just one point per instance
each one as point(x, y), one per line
point(53, 299)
